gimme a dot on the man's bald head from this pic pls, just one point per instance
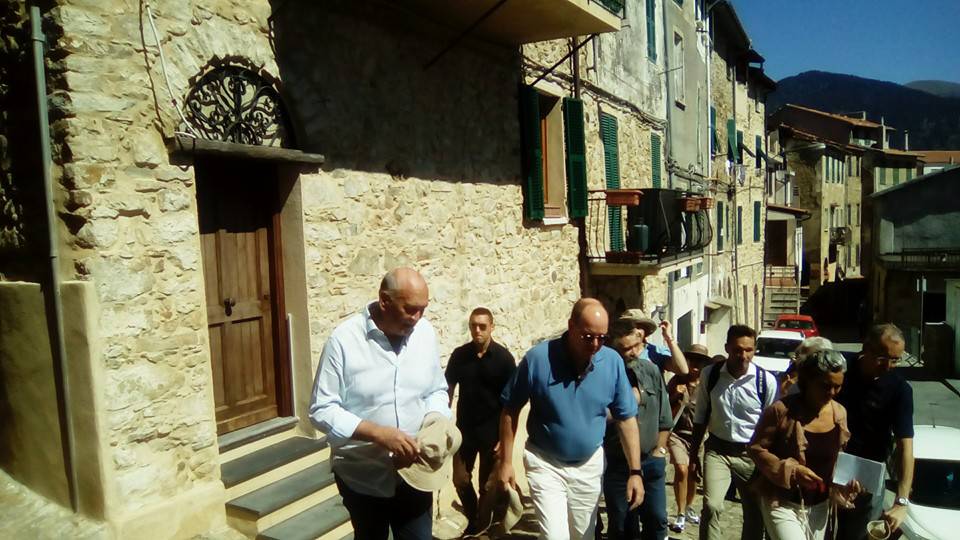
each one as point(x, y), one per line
point(403, 298)
point(587, 328)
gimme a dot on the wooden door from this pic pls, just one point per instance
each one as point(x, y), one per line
point(776, 243)
point(236, 204)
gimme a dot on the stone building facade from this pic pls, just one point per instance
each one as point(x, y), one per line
point(159, 232)
point(737, 91)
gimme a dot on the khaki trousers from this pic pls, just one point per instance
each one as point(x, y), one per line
point(790, 521)
point(718, 471)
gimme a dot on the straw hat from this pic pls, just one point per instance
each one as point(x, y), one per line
point(698, 353)
point(640, 320)
point(438, 439)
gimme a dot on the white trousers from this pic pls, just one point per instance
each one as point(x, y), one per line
point(565, 497)
point(788, 522)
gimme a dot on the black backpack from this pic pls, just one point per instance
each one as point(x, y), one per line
point(714, 376)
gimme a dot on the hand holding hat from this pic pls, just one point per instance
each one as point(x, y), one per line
point(438, 440)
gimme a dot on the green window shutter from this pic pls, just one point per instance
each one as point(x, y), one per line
point(739, 225)
point(719, 225)
point(651, 30)
point(713, 131)
point(756, 221)
point(740, 147)
point(575, 143)
point(896, 175)
point(759, 150)
point(611, 161)
point(732, 139)
point(532, 153)
point(655, 157)
point(881, 175)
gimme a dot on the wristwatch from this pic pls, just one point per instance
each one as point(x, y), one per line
point(902, 501)
point(636, 472)
point(661, 450)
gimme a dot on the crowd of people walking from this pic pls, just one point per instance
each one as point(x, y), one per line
point(608, 409)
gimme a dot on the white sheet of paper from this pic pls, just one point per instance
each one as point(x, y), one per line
point(869, 473)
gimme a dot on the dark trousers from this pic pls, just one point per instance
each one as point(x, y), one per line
point(652, 513)
point(470, 449)
point(407, 513)
point(852, 523)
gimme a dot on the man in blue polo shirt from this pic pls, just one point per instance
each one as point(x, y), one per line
point(570, 383)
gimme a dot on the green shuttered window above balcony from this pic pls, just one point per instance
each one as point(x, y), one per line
point(655, 156)
point(576, 150)
point(732, 140)
point(611, 162)
point(652, 30)
point(756, 220)
point(532, 153)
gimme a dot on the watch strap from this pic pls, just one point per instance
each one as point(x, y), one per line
point(636, 472)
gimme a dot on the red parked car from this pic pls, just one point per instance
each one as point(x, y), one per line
point(798, 323)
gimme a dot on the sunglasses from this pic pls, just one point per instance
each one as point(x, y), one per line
point(590, 338)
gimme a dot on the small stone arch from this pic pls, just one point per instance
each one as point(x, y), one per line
point(233, 101)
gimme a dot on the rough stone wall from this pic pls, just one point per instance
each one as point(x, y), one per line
point(423, 169)
point(854, 198)
point(130, 223)
point(21, 191)
point(807, 169)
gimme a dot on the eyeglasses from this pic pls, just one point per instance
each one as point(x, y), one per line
point(590, 338)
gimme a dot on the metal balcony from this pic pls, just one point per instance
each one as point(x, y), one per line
point(523, 21)
point(630, 232)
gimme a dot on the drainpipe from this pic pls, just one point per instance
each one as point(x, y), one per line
point(668, 138)
point(52, 299)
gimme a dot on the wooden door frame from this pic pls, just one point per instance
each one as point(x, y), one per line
point(281, 338)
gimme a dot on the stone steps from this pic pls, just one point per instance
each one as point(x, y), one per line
point(285, 491)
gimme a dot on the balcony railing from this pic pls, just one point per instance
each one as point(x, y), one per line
point(840, 235)
point(781, 276)
point(922, 258)
point(655, 226)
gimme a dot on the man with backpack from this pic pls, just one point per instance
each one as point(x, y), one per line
point(730, 397)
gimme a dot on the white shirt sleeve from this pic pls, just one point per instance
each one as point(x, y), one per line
point(326, 406)
point(703, 399)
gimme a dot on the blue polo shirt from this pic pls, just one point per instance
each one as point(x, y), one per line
point(568, 417)
point(657, 354)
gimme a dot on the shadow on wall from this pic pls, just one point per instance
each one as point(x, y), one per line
point(359, 93)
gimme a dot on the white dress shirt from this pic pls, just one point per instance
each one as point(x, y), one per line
point(734, 402)
point(362, 377)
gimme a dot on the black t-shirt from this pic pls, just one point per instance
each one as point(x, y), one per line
point(481, 381)
point(878, 412)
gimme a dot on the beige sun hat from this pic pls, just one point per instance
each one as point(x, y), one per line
point(438, 439)
point(500, 511)
point(640, 320)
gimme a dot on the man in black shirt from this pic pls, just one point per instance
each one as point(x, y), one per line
point(879, 405)
point(482, 368)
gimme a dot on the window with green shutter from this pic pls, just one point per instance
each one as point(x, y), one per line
point(739, 225)
point(759, 150)
point(756, 221)
point(532, 153)
point(740, 147)
point(576, 150)
point(720, 228)
point(882, 175)
point(896, 175)
point(732, 140)
point(611, 162)
point(713, 131)
point(655, 158)
point(651, 30)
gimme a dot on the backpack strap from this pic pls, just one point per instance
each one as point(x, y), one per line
point(762, 386)
point(712, 379)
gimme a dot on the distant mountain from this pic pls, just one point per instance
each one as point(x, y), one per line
point(933, 121)
point(938, 88)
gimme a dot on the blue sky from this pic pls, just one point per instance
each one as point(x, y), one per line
point(891, 40)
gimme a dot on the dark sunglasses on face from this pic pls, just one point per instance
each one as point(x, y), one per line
point(590, 338)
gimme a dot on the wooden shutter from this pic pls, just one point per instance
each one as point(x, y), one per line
point(656, 159)
point(575, 143)
point(651, 30)
point(756, 221)
point(732, 139)
point(532, 153)
point(713, 131)
point(720, 226)
point(740, 147)
point(759, 150)
point(611, 161)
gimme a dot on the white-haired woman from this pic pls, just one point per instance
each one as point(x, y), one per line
point(795, 447)
point(807, 347)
